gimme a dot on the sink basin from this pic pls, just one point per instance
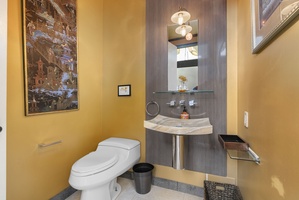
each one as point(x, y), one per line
point(175, 126)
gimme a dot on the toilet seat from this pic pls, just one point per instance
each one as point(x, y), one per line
point(94, 162)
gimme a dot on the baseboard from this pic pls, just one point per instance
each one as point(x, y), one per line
point(64, 194)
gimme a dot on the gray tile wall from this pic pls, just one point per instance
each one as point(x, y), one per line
point(202, 153)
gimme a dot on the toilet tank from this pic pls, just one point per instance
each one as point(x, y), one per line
point(120, 143)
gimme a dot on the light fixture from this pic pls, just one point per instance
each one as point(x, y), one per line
point(180, 17)
point(183, 29)
point(189, 36)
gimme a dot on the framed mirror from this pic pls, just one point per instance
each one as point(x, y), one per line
point(183, 57)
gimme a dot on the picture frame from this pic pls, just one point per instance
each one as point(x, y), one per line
point(50, 56)
point(269, 18)
point(124, 90)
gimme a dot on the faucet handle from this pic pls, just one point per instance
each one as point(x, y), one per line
point(182, 102)
point(192, 103)
point(171, 103)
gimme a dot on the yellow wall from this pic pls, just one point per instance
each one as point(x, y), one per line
point(34, 173)
point(124, 63)
point(268, 88)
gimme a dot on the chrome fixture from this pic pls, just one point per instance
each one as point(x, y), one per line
point(182, 102)
point(192, 103)
point(171, 103)
point(43, 145)
point(178, 152)
point(152, 103)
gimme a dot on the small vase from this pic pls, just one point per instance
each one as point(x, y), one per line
point(182, 87)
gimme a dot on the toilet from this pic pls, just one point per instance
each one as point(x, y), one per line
point(95, 174)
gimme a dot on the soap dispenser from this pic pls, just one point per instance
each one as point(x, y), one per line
point(185, 114)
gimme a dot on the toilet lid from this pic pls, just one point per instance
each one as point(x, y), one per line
point(94, 162)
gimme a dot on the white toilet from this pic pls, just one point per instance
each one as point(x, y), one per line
point(95, 174)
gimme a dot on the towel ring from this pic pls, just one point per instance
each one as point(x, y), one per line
point(158, 107)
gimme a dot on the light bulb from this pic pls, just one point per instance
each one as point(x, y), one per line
point(180, 19)
point(183, 31)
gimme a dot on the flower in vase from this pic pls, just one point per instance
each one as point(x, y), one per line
point(182, 87)
point(183, 78)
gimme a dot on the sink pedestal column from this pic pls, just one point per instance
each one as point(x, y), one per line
point(178, 152)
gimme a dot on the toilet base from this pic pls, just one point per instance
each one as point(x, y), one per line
point(115, 191)
point(108, 191)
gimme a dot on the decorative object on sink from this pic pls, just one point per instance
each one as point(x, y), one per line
point(175, 126)
point(185, 114)
point(182, 86)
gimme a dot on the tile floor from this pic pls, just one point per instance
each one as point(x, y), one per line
point(157, 193)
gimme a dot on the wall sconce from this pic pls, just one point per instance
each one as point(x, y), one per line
point(183, 29)
point(180, 17)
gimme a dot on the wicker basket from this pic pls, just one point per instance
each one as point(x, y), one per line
point(221, 191)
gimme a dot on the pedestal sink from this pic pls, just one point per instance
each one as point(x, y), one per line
point(179, 128)
point(175, 126)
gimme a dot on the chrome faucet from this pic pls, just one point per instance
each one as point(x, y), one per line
point(182, 102)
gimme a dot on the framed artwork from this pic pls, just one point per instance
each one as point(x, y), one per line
point(50, 56)
point(269, 17)
point(124, 90)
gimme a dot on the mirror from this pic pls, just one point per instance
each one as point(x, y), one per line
point(182, 57)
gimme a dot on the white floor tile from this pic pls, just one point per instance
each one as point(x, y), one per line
point(192, 197)
point(157, 193)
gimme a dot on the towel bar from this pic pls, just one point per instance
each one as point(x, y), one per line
point(43, 145)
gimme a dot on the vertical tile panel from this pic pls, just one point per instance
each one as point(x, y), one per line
point(202, 153)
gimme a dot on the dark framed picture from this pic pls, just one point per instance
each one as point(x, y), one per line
point(124, 90)
point(50, 56)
